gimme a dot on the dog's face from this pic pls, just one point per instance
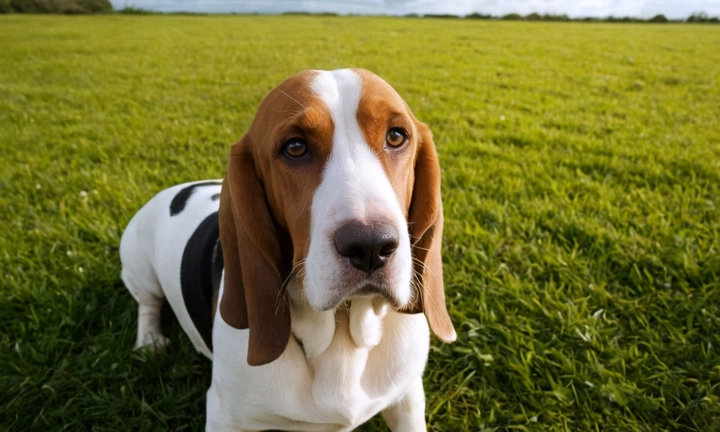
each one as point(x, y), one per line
point(336, 170)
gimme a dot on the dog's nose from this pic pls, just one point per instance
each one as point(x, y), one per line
point(368, 246)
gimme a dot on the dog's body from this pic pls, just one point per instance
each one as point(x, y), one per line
point(336, 389)
point(329, 223)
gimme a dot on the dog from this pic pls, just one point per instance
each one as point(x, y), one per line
point(311, 275)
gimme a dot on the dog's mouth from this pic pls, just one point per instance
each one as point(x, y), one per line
point(367, 290)
point(370, 290)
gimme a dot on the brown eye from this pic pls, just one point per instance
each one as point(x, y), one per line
point(295, 148)
point(396, 137)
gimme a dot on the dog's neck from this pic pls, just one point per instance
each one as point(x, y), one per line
point(345, 349)
point(355, 324)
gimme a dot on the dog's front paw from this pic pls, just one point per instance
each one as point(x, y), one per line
point(151, 342)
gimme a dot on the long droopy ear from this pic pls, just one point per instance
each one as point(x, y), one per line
point(425, 222)
point(252, 296)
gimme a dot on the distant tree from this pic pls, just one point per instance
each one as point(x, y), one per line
point(303, 13)
point(5, 6)
point(702, 17)
point(698, 17)
point(660, 18)
point(550, 17)
point(26, 6)
point(533, 17)
point(625, 19)
point(445, 16)
point(476, 15)
point(132, 10)
point(95, 6)
point(512, 17)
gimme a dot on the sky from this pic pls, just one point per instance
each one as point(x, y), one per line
point(575, 9)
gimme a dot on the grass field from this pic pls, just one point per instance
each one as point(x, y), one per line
point(581, 184)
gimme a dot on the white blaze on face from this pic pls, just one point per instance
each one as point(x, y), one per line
point(354, 186)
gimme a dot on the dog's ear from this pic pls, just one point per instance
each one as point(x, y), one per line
point(253, 297)
point(425, 223)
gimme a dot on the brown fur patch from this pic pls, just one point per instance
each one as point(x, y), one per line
point(265, 212)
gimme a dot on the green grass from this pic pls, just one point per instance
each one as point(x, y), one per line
point(581, 182)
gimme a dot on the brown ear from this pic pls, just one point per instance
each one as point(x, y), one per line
point(425, 222)
point(252, 296)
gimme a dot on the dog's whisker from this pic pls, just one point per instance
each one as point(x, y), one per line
point(292, 98)
point(292, 273)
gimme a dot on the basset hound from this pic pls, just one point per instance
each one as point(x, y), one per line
point(308, 275)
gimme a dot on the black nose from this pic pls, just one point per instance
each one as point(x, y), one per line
point(368, 246)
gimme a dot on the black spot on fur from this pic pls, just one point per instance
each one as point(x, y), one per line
point(200, 273)
point(178, 203)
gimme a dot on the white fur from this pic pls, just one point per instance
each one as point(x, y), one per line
point(354, 186)
point(347, 358)
point(334, 390)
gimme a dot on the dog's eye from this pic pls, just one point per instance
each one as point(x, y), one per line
point(295, 148)
point(396, 137)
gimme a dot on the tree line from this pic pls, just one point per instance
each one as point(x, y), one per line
point(104, 6)
point(697, 17)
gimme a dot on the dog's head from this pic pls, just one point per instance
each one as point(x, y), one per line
point(336, 184)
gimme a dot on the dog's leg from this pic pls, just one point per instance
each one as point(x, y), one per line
point(143, 285)
point(150, 335)
point(408, 414)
